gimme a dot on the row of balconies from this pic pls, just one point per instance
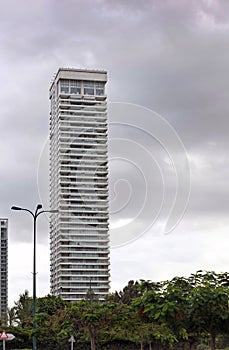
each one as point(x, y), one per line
point(64, 182)
point(73, 181)
point(66, 270)
point(61, 240)
point(80, 246)
point(90, 171)
point(80, 148)
point(72, 123)
point(86, 125)
point(68, 215)
point(77, 285)
point(80, 111)
point(68, 274)
point(63, 271)
point(77, 114)
point(87, 174)
point(71, 163)
point(83, 159)
point(57, 270)
point(75, 98)
point(76, 146)
point(73, 187)
point(66, 278)
point(78, 193)
point(82, 225)
point(89, 182)
point(67, 263)
point(82, 209)
point(82, 260)
point(64, 149)
point(95, 201)
point(61, 276)
point(71, 217)
point(94, 250)
point(74, 176)
point(81, 251)
point(71, 130)
point(82, 229)
point(80, 137)
point(80, 296)
point(71, 294)
point(83, 197)
point(82, 105)
point(81, 235)
point(84, 256)
point(74, 127)
point(73, 154)
point(90, 99)
point(79, 101)
point(80, 153)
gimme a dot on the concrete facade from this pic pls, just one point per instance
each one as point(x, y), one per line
point(79, 184)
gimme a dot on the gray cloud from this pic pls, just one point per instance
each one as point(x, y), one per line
point(169, 56)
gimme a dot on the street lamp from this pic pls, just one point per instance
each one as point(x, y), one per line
point(34, 215)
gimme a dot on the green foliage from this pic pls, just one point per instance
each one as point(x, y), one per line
point(50, 304)
point(24, 310)
point(127, 294)
point(168, 314)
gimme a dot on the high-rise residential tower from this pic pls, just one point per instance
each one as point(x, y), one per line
point(79, 184)
point(4, 270)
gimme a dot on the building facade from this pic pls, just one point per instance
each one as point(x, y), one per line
point(4, 270)
point(79, 185)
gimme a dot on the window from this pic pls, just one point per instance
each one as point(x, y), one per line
point(99, 86)
point(64, 86)
point(88, 87)
point(75, 87)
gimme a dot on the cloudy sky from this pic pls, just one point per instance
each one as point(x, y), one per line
point(167, 63)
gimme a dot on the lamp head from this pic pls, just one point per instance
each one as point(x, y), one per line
point(39, 206)
point(16, 208)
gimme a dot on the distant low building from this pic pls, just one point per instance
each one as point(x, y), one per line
point(4, 270)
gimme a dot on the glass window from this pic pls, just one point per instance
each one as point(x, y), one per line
point(64, 86)
point(99, 88)
point(75, 87)
point(88, 87)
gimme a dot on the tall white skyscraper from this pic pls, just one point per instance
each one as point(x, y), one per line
point(4, 270)
point(79, 184)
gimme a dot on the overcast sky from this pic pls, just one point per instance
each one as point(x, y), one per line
point(167, 64)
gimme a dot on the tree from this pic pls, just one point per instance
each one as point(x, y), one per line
point(11, 316)
point(94, 316)
point(209, 310)
point(126, 295)
point(165, 304)
point(157, 314)
point(190, 306)
point(143, 330)
point(24, 310)
point(50, 304)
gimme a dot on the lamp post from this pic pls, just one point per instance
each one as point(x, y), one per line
point(37, 212)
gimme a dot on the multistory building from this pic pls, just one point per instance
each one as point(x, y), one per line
point(79, 185)
point(4, 270)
